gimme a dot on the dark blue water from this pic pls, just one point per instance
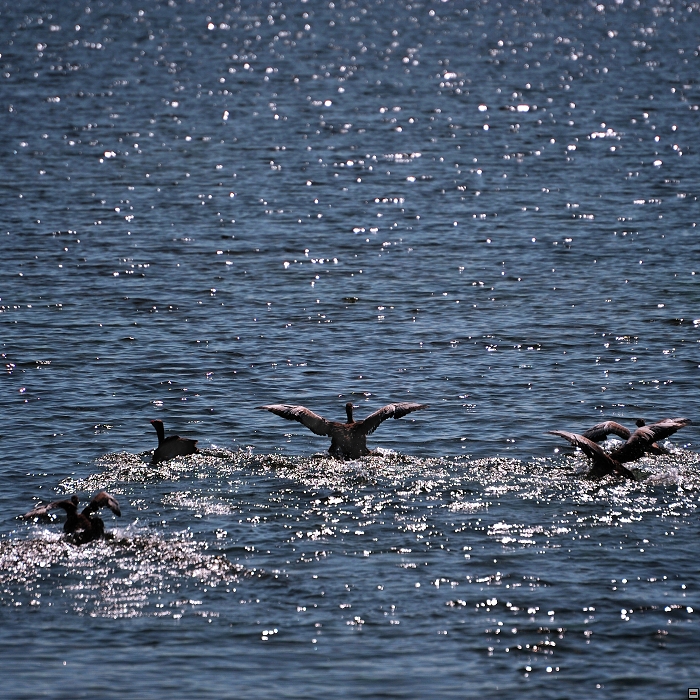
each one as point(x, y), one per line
point(488, 207)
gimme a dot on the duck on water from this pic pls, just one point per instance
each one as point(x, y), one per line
point(80, 527)
point(348, 440)
point(171, 446)
point(641, 441)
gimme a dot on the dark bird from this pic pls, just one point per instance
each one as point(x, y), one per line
point(642, 440)
point(645, 437)
point(81, 527)
point(348, 440)
point(171, 446)
point(603, 463)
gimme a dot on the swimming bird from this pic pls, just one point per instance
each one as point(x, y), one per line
point(171, 446)
point(642, 440)
point(81, 527)
point(348, 440)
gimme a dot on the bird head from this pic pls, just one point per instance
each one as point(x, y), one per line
point(348, 410)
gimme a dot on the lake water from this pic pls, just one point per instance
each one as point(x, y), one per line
point(488, 207)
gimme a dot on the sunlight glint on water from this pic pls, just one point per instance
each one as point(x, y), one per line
point(489, 209)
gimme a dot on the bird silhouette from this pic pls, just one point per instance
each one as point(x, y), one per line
point(642, 440)
point(348, 440)
point(80, 527)
point(171, 446)
point(663, 429)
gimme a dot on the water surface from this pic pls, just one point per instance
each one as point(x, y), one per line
point(487, 207)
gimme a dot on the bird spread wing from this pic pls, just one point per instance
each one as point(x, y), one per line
point(42, 510)
point(103, 500)
point(666, 427)
point(588, 447)
point(601, 431)
point(600, 457)
point(315, 423)
point(643, 438)
point(392, 410)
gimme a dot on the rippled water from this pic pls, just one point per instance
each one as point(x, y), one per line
point(488, 207)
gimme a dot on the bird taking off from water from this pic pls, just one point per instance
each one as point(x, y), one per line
point(171, 446)
point(81, 527)
point(642, 440)
point(603, 463)
point(348, 440)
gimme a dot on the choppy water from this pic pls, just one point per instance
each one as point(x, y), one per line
point(488, 207)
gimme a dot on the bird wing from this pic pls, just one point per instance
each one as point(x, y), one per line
point(600, 457)
point(42, 510)
point(392, 410)
point(315, 423)
point(588, 447)
point(642, 438)
point(666, 427)
point(601, 431)
point(102, 500)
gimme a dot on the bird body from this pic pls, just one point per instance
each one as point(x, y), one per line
point(84, 526)
point(348, 440)
point(172, 446)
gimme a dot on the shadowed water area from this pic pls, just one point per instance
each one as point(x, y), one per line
point(487, 207)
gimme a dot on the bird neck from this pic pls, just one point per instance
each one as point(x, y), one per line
point(158, 425)
point(348, 410)
point(71, 507)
